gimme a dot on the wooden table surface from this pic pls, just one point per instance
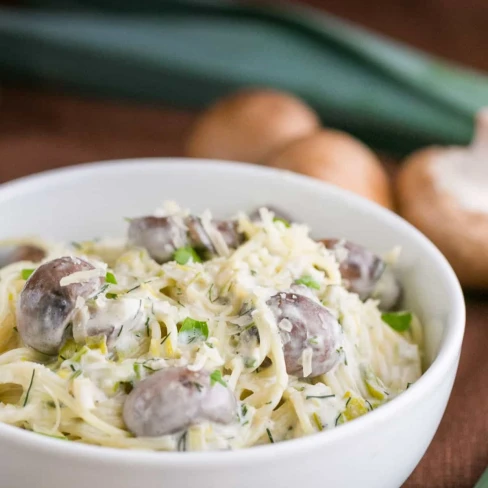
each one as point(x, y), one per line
point(41, 130)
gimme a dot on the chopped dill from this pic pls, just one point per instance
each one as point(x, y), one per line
point(147, 326)
point(338, 419)
point(165, 338)
point(102, 289)
point(29, 389)
point(319, 396)
point(134, 288)
point(182, 442)
point(243, 410)
point(270, 437)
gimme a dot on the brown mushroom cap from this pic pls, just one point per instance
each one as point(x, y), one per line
point(249, 125)
point(340, 159)
point(460, 234)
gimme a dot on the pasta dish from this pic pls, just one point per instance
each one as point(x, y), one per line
point(200, 334)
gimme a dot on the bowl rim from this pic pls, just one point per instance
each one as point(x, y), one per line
point(446, 358)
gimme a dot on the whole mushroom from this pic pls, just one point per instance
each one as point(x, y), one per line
point(249, 125)
point(443, 191)
point(173, 399)
point(46, 307)
point(365, 273)
point(340, 159)
point(306, 326)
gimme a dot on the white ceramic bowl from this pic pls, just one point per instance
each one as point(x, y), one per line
point(378, 450)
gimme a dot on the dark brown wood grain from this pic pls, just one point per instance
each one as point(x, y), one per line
point(40, 130)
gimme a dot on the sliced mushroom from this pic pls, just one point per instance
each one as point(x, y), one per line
point(198, 237)
point(173, 399)
point(306, 326)
point(365, 273)
point(160, 236)
point(228, 229)
point(28, 253)
point(24, 252)
point(45, 307)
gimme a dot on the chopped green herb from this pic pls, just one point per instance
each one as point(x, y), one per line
point(270, 437)
point(369, 404)
point(216, 377)
point(399, 321)
point(120, 331)
point(339, 420)
point(72, 367)
point(308, 281)
point(76, 245)
point(348, 400)
point(132, 289)
point(182, 442)
point(149, 368)
point(137, 370)
point(249, 363)
point(111, 296)
point(210, 294)
point(198, 386)
point(193, 330)
point(147, 327)
point(110, 278)
point(283, 221)
point(408, 385)
point(26, 273)
point(138, 309)
point(319, 396)
point(184, 254)
point(102, 289)
point(29, 389)
point(253, 272)
point(165, 339)
point(243, 410)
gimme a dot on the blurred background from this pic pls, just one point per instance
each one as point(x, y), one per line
point(61, 104)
